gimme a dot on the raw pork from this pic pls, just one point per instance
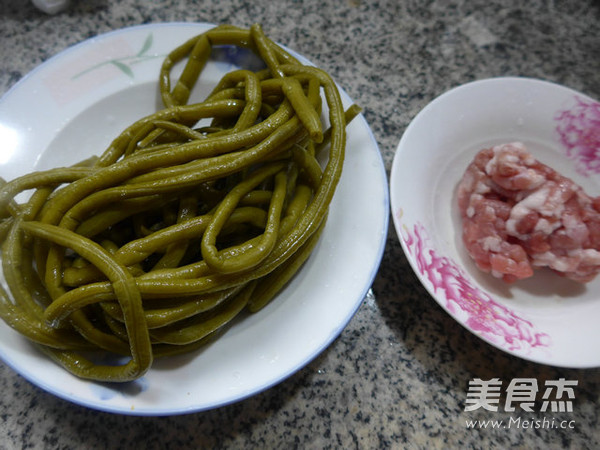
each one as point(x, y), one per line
point(519, 214)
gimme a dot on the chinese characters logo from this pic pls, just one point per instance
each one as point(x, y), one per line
point(556, 395)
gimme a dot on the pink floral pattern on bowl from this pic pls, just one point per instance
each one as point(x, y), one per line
point(476, 309)
point(579, 131)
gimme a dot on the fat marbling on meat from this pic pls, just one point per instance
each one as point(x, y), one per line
point(518, 214)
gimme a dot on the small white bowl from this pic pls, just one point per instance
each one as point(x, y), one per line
point(546, 318)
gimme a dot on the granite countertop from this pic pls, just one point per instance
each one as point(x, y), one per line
point(398, 374)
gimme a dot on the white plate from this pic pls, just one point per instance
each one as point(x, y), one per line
point(546, 318)
point(72, 106)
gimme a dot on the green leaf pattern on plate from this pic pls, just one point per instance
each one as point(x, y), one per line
point(125, 63)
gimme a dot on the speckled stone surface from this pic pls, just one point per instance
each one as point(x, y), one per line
point(397, 376)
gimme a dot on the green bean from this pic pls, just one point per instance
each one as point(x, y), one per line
point(199, 327)
point(176, 311)
point(265, 50)
point(26, 314)
point(307, 113)
point(192, 214)
point(244, 260)
point(139, 249)
point(268, 286)
point(183, 113)
point(40, 179)
point(115, 213)
point(196, 61)
point(125, 291)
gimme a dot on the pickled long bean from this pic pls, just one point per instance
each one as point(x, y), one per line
point(192, 215)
